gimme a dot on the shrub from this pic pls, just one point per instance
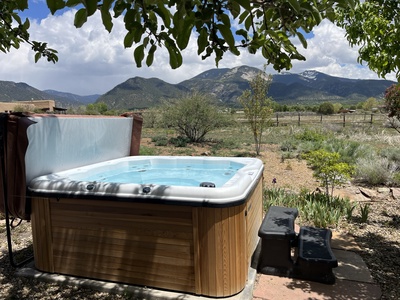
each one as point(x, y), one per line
point(193, 116)
point(179, 141)
point(311, 135)
point(329, 169)
point(318, 209)
point(374, 170)
point(326, 108)
point(160, 140)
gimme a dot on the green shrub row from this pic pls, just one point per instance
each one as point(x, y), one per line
point(315, 209)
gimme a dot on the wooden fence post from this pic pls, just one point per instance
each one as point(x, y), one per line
point(299, 120)
point(344, 120)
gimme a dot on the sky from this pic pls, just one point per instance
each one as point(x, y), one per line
point(93, 61)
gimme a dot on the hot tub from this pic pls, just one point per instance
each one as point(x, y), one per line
point(187, 224)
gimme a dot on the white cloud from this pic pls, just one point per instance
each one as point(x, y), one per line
point(93, 61)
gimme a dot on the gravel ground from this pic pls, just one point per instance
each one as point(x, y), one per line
point(379, 239)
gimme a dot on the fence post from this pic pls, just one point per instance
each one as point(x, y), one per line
point(298, 123)
point(344, 120)
point(277, 120)
point(321, 118)
point(372, 118)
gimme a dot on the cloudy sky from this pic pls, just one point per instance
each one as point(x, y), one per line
point(92, 61)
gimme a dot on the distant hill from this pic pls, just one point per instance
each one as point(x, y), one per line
point(63, 97)
point(226, 85)
point(139, 92)
point(313, 86)
point(12, 91)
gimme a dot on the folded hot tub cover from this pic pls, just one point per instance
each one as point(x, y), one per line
point(15, 172)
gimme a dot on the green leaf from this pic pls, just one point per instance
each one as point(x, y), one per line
point(227, 35)
point(91, 6)
point(55, 5)
point(225, 19)
point(38, 55)
point(80, 17)
point(202, 40)
point(243, 16)
point(128, 40)
point(106, 16)
point(295, 5)
point(248, 22)
point(72, 3)
point(184, 36)
point(139, 55)
point(302, 39)
point(22, 4)
point(175, 57)
point(317, 15)
point(164, 13)
point(244, 3)
point(150, 55)
point(235, 9)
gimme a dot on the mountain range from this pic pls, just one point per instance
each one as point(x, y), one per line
point(226, 85)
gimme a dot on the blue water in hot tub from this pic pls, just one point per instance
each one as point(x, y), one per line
point(176, 174)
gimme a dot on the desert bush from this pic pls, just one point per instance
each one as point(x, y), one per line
point(160, 140)
point(393, 154)
point(375, 170)
point(193, 116)
point(326, 108)
point(348, 150)
point(312, 135)
point(152, 118)
point(179, 141)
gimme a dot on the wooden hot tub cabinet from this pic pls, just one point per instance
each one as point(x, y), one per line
point(199, 250)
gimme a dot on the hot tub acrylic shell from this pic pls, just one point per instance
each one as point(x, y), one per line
point(72, 183)
point(192, 246)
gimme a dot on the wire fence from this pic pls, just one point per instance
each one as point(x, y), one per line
point(303, 118)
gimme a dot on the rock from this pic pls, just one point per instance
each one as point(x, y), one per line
point(384, 190)
point(367, 192)
point(396, 193)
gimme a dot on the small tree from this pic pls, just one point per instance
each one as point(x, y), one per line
point(193, 116)
point(370, 104)
point(392, 105)
point(329, 169)
point(326, 108)
point(99, 108)
point(257, 106)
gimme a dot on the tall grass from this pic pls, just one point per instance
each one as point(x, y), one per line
point(315, 209)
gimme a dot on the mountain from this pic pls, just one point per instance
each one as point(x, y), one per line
point(226, 85)
point(139, 92)
point(12, 91)
point(61, 96)
point(314, 87)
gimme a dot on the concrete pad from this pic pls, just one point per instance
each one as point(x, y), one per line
point(282, 288)
point(136, 292)
point(344, 241)
point(351, 267)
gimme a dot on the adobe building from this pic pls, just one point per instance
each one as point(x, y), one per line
point(32, 105)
